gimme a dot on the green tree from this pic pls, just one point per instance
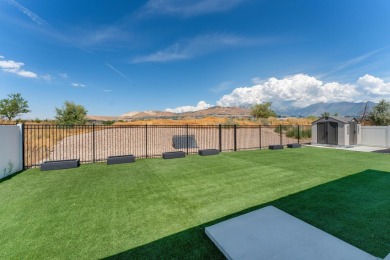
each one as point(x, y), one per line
point(12, 106)
point(262, 110)
point(380, 114)
point(71, 114)
point(325, 115)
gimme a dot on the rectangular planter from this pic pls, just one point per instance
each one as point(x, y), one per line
point(276, 147)
point(120, 159)
point(61, 164)
point(205, 152)
point(293, 145)
point(172, 155)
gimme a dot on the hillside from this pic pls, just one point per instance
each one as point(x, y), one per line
point(216, 111)
point(341, 108)
point(146, 114)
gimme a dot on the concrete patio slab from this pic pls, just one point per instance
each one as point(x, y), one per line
point(270, 233)
point(356, 148)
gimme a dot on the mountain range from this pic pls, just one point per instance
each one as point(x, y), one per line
point(341, 108)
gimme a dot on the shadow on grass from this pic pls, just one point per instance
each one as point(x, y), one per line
point(9, 177)
point(355, 209)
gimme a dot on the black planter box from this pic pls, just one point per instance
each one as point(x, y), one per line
point(58, 165)
point(172, 155)
point(294, 146)
point(120, 159)
point(276, 147)
point(205, 152)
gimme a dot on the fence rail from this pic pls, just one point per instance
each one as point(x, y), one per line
point(94, 143)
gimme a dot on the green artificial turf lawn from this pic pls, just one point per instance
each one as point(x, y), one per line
point(157, 208)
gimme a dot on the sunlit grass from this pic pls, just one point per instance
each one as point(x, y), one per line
point(157, 208)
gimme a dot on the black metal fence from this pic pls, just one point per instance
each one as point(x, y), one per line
point(94, 143)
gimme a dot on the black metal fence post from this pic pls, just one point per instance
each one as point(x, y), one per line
point(235, 137)
point(187, 137)
point(146, 140)
point(220, 137)
point(259, 136)
point(23, 147)
point(93, 144)
point(280, 134)
point(298, 134)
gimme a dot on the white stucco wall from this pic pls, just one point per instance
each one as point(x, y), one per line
point(10, 150)
point(375, 136)
point(314, 134)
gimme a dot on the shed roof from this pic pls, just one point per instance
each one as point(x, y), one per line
point(342, 119)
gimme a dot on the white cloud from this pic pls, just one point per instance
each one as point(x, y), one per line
point(47, 77)
point(78, 85)
point(33, 16)
point(117, 71)
point(298, 90)
point(63, 75)
point(188, 8)
point(198, 46)
point(201, 105)
point(26, 74)
point(42, 26)
point(105, 35)
point(374, 86)
point(353, 62)
point(10, 64)
point(16, 68)
point(257, 81)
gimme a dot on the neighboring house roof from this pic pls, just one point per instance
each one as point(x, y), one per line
point(342, 119)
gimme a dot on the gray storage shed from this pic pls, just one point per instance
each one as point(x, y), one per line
point(336, 130)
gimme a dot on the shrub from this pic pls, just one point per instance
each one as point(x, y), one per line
point(293, 133)
point(71, 114)
point(283, 127)
point(264, 121)
point(230, 122)
point(108, 122)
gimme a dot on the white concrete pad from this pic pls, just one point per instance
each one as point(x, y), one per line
point(272, 234)
point(355, 148)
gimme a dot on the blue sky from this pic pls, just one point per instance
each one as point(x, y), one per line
point(119, 56)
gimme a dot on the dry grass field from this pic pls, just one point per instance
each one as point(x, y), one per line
point(40, 140)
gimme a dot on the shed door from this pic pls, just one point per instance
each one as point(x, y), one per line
point(321, 133)
point(352, 133)
point(332, 133)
